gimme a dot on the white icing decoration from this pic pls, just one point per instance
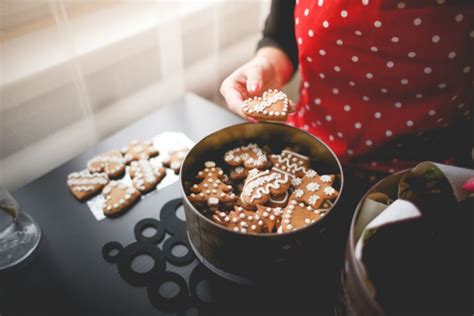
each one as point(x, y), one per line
point(312, 186)
point(267, 102)
point(213, 201)
point(326, 178)
point(313, 199)
point(296, 181)
point(329, 190)
point(299, 193)
point(311, 173)
point(259, 185)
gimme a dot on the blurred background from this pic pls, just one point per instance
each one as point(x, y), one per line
point(73, 72)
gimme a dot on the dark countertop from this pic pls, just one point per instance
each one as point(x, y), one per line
point(68, 273)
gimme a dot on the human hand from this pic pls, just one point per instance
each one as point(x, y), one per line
point(269, 69)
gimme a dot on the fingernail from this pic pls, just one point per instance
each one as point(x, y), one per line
point(253, 87)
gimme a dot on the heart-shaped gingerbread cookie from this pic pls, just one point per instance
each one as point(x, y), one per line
point(119, 197)
point(273, 105)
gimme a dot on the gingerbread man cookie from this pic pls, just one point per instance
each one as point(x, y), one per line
point(119, 197)
point(137, 150)
point(314, 189)
point(211, 189)
point(297, 215)
point(290, 162)
point(273, 105)
point(110, 162)
point(260, 185)
point(271, 217)
point(175, 159)
point(250, 156)
point(84, 185)
point(146, 174)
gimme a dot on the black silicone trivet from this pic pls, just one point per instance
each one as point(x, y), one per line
point(187, 296)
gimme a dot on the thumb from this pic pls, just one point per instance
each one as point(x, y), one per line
point(254, 79)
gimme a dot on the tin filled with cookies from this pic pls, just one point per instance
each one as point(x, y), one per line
point(258, 198)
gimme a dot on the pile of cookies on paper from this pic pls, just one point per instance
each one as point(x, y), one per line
point(263, 193)
point(104, 169)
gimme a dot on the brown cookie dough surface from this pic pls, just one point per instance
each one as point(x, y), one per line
point(119, 197)
point(314, 189)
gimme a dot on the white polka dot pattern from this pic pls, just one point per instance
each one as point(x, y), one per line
point(361, 70)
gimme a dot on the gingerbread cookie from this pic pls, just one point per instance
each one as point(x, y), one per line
point(245, 221)
point(175, 159)
point(297, 215)
point(271, 217)
point(211, 189)
point(260, 185)
point(290, 162)
point(137, 150)
point(84, 185)
point(111, 162)
point(273, 105)
point(119, 197)
point(249, 157)
point(314, 189)
point(146, 174)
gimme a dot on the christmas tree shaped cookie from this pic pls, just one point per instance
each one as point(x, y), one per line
point(212, 189)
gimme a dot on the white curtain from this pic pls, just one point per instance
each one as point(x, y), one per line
point(74, 71)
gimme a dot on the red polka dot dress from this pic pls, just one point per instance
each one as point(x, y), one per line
point(378, 76)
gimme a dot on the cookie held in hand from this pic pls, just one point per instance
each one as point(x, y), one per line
point(84, 185)
point(273, 105)
point(119, 197)
point(111, 162)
